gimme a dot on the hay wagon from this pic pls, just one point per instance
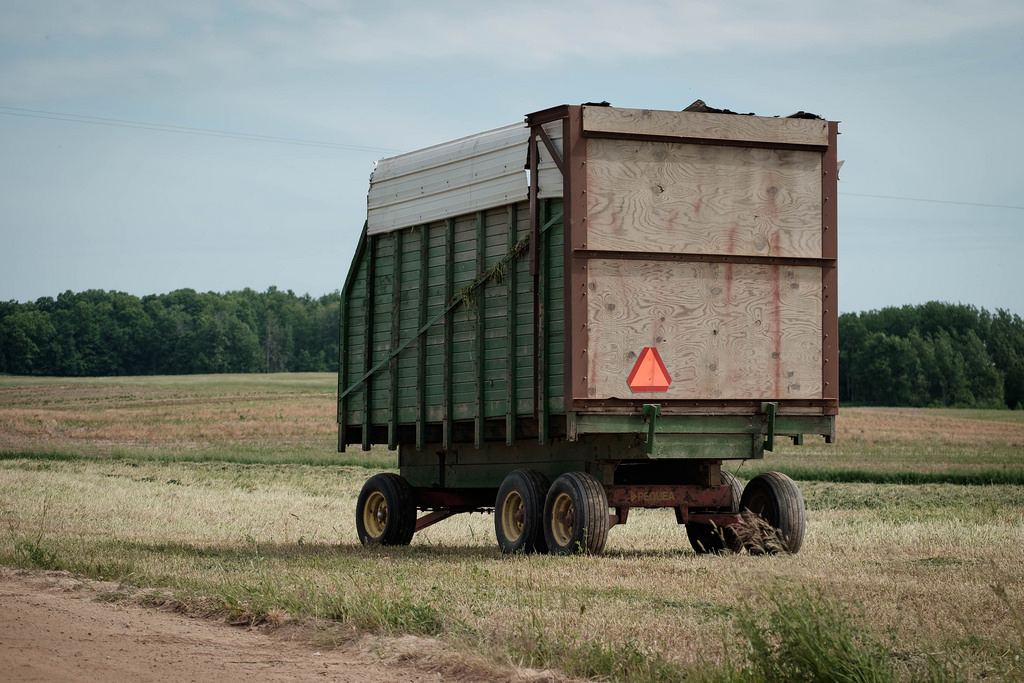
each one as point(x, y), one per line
point(588, 312)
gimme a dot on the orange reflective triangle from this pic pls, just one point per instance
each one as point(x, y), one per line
point(649, 373)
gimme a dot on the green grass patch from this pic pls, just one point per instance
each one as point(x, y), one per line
point(225, 497)
point(798, 635)
point(254, 544)
point(377, 460)
point(991, 477)
point(41, 456)
point(591, 658)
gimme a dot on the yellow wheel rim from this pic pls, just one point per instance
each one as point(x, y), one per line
point(375, 514)
point(512, 516)
point(563, 519)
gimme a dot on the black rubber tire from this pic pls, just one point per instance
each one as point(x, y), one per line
point(776, 499)
point(710, 539)
point(519, 512)
point(576, 515)
point(385, 512)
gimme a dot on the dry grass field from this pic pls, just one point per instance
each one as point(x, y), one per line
point(223, 496)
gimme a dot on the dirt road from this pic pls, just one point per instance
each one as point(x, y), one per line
point(52, 629)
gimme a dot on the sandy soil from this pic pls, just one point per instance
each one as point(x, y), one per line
point(53, 629)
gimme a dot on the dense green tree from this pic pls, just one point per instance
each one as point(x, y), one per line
point(97, 333)
point(27, 343)
point(889, 372)
point(944, 368)
point(984, 380)
point(1005, 344)
point(965, 357)
point(852, 335)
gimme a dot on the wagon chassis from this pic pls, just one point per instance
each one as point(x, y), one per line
point(687, 501)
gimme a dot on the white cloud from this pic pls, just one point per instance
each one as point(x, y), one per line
point(54, 48)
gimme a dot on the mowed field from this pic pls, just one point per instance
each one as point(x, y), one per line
point(224, 496)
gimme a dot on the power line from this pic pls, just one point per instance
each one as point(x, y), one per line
point(933, 201)
point(171, 128)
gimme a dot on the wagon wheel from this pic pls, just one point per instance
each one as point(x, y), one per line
point(385, 512)
point(519, 512)
point(708, 538)
point(776, 501)
point(576, 515)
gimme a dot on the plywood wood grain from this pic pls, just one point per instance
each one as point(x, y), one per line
point(685, 198)
point(724, 331)
point(756, 129)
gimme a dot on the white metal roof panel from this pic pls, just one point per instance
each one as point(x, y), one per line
point(454, 178)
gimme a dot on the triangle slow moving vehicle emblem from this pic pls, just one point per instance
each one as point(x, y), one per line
point(649, 373)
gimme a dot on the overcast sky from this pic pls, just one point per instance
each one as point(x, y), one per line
point(152, 146)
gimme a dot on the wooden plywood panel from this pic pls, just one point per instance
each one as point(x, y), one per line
point(685, 198)
point(759, 129)
point(724, 331)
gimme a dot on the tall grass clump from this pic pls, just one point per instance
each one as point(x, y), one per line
point(799, 635)
point(580, 656)
point(382, 614)
point(1014, 654)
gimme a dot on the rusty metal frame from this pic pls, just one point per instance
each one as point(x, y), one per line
point(668, 496)
point(690, 502)
point(829, 273)
point(574, 194)
point(432, 518)
point(536, 123)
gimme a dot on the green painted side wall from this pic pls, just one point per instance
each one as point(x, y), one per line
point(474, 360)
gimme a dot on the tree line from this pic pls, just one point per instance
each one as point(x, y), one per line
point(98, 333)
point(934, 354)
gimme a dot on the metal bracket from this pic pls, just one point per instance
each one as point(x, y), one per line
point(651, 412)
point(770, 408)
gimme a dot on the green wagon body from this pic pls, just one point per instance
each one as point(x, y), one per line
point(630, 294)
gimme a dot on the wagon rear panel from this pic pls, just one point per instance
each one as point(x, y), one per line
point(709, 239)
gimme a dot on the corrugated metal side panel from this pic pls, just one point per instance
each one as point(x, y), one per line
point(457, 178)
point(554, 309)
point(353, 361)
point(412, 368)
point(463, 344)
point(452, 179)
